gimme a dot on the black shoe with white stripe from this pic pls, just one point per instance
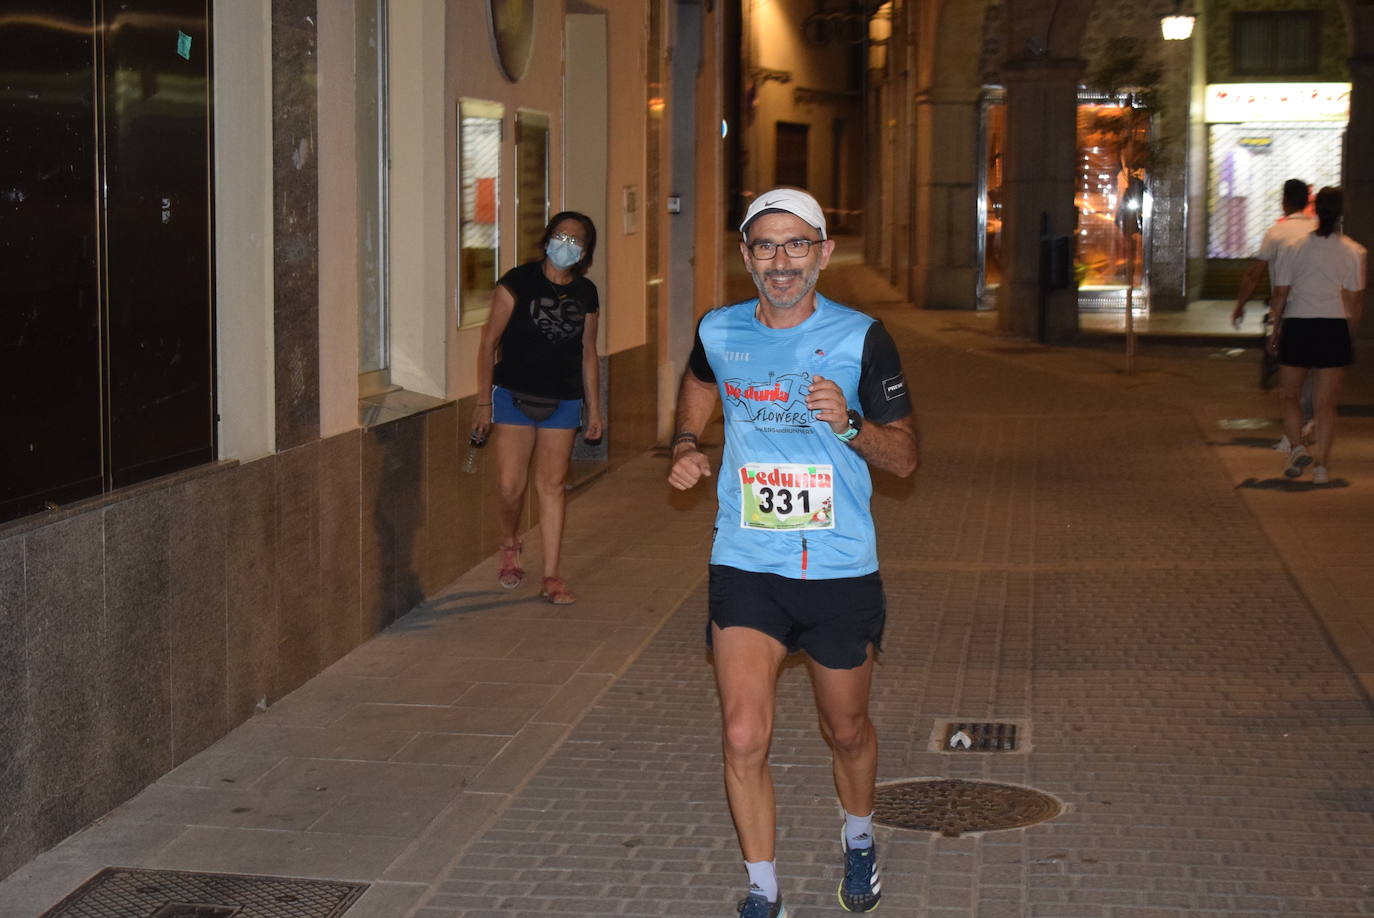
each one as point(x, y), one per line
point(756, 906)
point(861, 887)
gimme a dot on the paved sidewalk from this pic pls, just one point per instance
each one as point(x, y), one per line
point(1077, 550)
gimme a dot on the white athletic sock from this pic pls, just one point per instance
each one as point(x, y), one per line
point(858, 830)
point(763, 878)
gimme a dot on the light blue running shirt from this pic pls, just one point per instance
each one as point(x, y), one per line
point(794, 498)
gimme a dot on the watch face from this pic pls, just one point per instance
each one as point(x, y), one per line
point(512, 35)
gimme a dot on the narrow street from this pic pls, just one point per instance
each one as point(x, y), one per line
point(1095, 557)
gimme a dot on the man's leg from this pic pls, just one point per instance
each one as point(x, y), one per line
point(746, 664)
point(842, 703)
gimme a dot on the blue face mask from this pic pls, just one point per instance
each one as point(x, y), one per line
point(563, 254)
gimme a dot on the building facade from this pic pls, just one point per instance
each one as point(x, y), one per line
point(1067, 115)
point(350, 178)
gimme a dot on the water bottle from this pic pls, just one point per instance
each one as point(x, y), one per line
point(475, 442)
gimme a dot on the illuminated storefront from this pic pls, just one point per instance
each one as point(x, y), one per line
point(1258, 136)
point(1109, 195)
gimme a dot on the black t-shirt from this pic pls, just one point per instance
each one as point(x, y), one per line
point(541, 348)
point(883, 397)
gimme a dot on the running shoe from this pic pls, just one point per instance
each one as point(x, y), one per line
point(1283, 446)
point(1298, 460)
point(861, 888)
point(756, 905)
point(1319, 475)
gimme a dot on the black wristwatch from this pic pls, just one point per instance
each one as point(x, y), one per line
point(856, 423)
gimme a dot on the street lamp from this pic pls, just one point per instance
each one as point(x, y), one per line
point(1177, 26)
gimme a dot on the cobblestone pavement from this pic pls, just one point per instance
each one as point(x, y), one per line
point(1069, 554)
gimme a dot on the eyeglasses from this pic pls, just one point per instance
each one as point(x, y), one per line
point(564, 237)
point(795, 248)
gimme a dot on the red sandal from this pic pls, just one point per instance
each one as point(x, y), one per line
point(556, 592)
point(511, 573)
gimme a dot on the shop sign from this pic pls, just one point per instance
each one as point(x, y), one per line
point(1240, 102)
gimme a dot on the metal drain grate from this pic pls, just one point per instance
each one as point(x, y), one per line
point(976, 737)
point(953, 807)
point(122, 892)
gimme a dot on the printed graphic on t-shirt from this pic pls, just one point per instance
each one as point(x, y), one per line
point(557, 320)
point(787, 496)
point(776, 403)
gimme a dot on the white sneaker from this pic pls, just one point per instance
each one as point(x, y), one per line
point(1298, 460)
point(1319, 475)
point(1283, 446)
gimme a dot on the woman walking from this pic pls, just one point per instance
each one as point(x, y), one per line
point(537, 363)
point(1318, 297)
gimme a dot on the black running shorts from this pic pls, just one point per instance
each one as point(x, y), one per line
point(834, 620)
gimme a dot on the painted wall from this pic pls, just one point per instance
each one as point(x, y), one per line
point(243, 229)
point(821, 88)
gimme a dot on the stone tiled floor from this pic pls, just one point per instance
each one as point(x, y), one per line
point(1079, 550)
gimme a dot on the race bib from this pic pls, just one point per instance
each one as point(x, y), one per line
point(787, 496)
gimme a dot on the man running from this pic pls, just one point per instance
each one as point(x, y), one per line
point(813, 394)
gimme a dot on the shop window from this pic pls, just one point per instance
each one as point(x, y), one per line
point(374, 351)
point(1276, 43)
point(1113, 208)
point(107, 325)
point(531, 181)
point(1249, 164)
point(479, 182)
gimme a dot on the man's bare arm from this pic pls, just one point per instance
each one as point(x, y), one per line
point(890, 447)
point(1248, 283)
point(695, 402)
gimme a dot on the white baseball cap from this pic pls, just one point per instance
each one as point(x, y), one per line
point(788, 201)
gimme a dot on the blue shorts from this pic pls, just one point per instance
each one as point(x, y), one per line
point(567, 416)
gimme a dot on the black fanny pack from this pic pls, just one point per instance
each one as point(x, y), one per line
point(534, 407)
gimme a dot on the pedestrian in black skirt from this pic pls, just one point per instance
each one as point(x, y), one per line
point(1318, 297)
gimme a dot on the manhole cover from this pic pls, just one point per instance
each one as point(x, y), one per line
point(953, 807)
point(121, 892)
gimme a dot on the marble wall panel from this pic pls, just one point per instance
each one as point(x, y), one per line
point(14, 843)
point(138, 701)
point(340, 546)
point(442, 532)
point(295, 191)
point(66, 763)
point(251, 584)
point(458, 502)
point(198, 613)
point(298, 566)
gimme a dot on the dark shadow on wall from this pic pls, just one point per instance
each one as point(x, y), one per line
point(394, 484)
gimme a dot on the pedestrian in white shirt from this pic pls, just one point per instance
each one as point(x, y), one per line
point(1316, 306)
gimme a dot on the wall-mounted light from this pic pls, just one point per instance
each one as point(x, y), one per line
point(1177, 26)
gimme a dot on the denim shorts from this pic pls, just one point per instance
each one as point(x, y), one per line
point(567, 416)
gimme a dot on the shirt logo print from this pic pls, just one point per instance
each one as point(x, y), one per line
point(556, 320)
point(778, 402)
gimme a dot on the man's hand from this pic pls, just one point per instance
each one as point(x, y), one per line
point(1238, 314)
point(690, 465)
point(827, 401)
